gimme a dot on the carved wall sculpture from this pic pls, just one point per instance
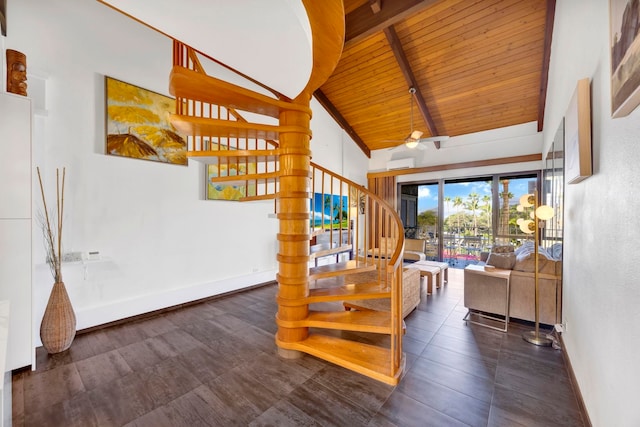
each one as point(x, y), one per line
point(16, 72)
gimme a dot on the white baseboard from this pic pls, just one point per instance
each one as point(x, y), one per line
point(122, 309)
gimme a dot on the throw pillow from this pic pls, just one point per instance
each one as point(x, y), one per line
point(527, 263)
point(502, 249)
point(556, 250)
point(504, 261)
point(527, 247)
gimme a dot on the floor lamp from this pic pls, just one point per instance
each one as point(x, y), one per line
point(529, 226)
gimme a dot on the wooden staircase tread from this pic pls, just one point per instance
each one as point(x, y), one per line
point(361, 321)
point(317, 251)
point(268, 196)
point(233, 154)
point(347, 292)
point(238, 161)
point(242, 179)
point(354, 291)
point(190, 125)
point(339, 269)
point(370, 321)
point(366, 359)
point(189, 84)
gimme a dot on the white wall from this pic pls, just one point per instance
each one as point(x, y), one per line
point(601, 292)
point(332, 146)
point(161, 243)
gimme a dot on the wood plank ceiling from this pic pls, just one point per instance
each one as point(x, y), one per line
point(475, 64)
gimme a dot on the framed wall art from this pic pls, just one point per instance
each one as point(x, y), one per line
point(330, 211)
point(137, 122)
point(222, 191)
point(624, 44)
point(577, 134)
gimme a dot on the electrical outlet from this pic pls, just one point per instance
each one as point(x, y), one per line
point(559, 328)
point(71, 256)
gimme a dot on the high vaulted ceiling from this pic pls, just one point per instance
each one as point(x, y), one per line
point(475, 64)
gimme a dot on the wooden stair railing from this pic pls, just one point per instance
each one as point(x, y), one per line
point(271, 159)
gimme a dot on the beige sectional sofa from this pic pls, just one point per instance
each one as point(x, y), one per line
point(413, 249)
point(486, 294)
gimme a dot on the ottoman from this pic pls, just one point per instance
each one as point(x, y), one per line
point(432, 273)
point(444, 270)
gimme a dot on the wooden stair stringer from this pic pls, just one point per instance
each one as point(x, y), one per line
point(366, 359)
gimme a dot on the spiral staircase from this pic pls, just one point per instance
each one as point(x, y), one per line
point(270, 159)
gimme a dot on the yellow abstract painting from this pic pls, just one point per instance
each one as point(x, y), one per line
point(138, 124)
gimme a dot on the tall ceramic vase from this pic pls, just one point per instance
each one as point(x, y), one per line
point(58, 327)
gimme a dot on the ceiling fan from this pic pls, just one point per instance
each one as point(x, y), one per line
point(414, 140)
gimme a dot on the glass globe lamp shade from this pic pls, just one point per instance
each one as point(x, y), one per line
point(527, 200)
point(544, 212)
point(527, 226)
point(520, 208)
point(519, 221)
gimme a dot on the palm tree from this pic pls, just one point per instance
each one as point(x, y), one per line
point(473, 205)
point(447, 201)
point(328, 204)
point(506, 195)
point(335, 207)
point(457, 202)
point(486, 208)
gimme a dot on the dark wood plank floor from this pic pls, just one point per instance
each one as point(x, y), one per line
point(215, 364)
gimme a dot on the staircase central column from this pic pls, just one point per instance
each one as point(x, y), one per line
point(294, 215)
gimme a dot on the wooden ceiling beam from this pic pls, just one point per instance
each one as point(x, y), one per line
point(407, 72)
point(363, 21)
point(333, 112)
point(544, 74)
point(454, 166)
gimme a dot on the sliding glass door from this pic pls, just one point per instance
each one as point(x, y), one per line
point(462, 218)
point(419, 211)
point(467, 226)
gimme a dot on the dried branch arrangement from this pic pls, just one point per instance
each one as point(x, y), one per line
point(53, 237)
